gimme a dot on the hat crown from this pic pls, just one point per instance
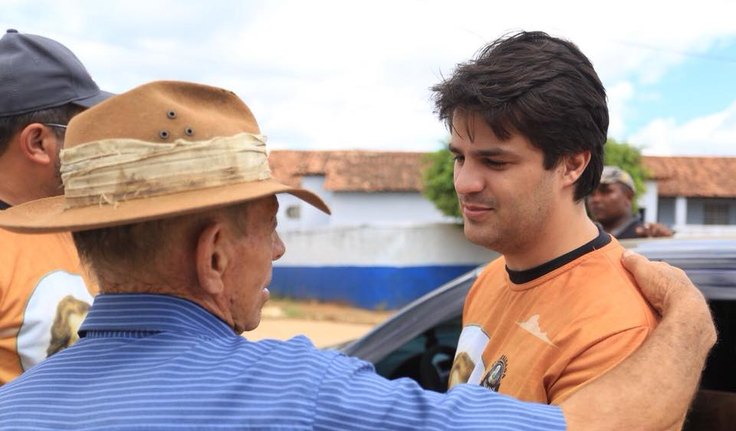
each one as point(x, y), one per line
point(163, 112)
point(39, 73)
point(161, 138)
point(614, 174)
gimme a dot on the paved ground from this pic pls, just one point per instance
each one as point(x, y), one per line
point(326, 324)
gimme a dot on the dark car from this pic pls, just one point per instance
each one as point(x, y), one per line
point(419, 341)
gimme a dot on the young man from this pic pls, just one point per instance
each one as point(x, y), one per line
point(180, 231)
point(43, 85)
point(528, 119)
point(611, 205)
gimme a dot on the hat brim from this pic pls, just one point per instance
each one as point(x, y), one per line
point(50, 215)
point(91, 101)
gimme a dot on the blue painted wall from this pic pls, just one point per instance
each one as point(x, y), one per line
point(372, 287)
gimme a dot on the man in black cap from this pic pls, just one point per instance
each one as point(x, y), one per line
point(42, 86)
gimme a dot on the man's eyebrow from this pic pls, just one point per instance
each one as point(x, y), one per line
point(492, 152)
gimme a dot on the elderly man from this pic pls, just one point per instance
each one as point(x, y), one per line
point(43, 85)
point(168, 192)
point(611, 204)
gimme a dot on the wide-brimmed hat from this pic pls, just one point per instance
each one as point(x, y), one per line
point(160, 150)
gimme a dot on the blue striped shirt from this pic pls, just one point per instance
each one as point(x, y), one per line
point(160, 362)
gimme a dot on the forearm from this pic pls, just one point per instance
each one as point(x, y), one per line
point(353, 397)
point(652, 389)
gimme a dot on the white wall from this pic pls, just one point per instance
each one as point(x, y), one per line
point(356, 208)
point(648, 201)
point(398, 245)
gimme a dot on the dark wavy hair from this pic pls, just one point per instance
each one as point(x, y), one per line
point(537, 85)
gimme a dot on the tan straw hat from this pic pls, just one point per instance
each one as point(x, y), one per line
point(160, 150)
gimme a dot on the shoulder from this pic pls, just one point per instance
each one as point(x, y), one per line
point(493, 273)
point(493, 269)
point(603, 290)
point(298, 351)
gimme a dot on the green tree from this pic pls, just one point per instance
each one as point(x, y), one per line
point(437, 176)
point(628, 158)
point(437, 179)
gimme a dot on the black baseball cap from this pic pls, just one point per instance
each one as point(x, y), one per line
point(39, 73)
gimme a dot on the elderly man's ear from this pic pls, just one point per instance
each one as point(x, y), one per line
point(212, 258)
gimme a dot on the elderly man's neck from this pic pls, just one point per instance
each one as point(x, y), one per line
point(183, 289)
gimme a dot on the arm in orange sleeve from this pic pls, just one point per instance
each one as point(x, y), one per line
point(641, 392)
point(595, 361)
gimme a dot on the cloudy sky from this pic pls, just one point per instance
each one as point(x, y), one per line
point(347, 74)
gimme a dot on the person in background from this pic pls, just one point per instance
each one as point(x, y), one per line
point(611, 205)
point(169, 195)
point(42, 86)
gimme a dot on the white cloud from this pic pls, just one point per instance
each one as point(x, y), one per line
point(337, 74)
point(710, 135)
point(618, 97)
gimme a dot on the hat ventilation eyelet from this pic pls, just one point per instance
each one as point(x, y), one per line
point(164, 134)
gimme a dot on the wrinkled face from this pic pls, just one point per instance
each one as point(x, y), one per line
point(610, 203)
point(249, 275)
point(504, 191)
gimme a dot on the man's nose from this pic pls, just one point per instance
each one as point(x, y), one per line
point(467, 179)
point(278, 247)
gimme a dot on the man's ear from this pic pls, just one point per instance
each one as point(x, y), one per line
point(38, 143)
point(626, 191)
point(212, 258)
point(573, 167)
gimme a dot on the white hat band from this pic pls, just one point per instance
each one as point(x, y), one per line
point(115, 170)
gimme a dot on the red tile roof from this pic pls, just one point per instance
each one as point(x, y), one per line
point(713, 177)
point(382, 171)
point(365, 171)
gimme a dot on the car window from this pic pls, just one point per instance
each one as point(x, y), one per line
point(426, 358)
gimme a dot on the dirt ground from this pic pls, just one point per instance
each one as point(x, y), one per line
point(326, 324)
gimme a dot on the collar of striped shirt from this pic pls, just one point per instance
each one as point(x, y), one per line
point(148, 313)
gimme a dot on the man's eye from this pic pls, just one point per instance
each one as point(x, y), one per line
point(494, 163)
point(458, 158)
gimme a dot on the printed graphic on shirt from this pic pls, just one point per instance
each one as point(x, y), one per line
point(532, 326)
point(492, 379)
point(468, 366)
point(63, 296)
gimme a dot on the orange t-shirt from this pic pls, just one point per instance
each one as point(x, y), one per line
point(43, 298)
point(543, 339)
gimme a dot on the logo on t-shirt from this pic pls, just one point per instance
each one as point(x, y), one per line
point(52, 316)
point(532, 327)
point(492, 379)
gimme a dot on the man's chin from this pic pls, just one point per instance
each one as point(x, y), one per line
point(481, 238)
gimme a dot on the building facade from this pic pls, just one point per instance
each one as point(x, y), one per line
point(696, 196)
point(386, 244)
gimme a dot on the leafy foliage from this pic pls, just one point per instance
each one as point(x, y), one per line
point(628, 158)
point(437, 177)
point(438, 186)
